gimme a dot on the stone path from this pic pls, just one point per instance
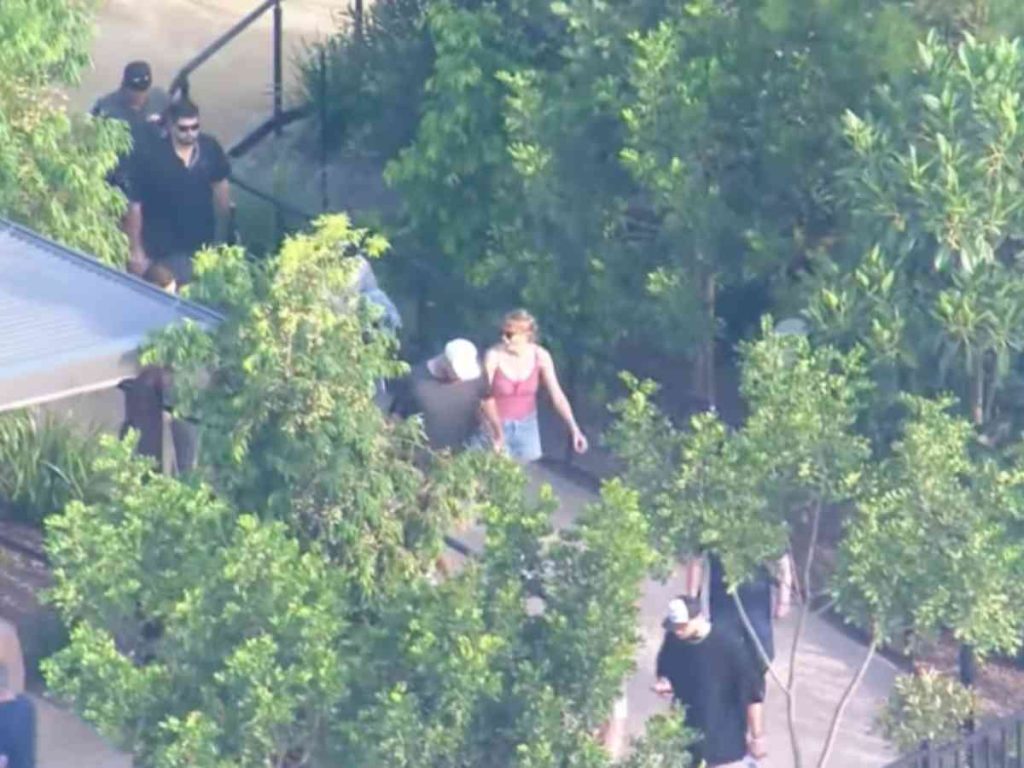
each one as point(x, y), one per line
point(64, 741)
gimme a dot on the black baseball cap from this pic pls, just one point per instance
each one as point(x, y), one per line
point(137, 76)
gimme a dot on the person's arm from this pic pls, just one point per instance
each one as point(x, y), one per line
point(784, 596)
point(222, 208)
point(220, 172)
point(489, 411)
point(138, 261)
point(756, 744)
point(694, 576)
point(662, 684)
point(489, 408)
point(559, 400)
point(751, 684)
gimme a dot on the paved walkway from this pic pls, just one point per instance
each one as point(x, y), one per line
point(64, 741)
point(234, 87)
point(827, 661)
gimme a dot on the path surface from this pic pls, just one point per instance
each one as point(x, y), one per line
point(826, 663)
point(64, 741)
point(234, 87)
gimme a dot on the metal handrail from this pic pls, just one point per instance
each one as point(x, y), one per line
point(180, 81)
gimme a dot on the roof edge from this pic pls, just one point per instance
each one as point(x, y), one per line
point(191, 309)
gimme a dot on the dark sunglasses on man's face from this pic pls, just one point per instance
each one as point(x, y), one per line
point(191, 128)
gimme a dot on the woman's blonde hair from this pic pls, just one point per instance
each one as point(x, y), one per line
point(521, 317)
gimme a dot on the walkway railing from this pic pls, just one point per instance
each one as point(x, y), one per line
point(279, 117)
point(999, 744)
point(180, 82)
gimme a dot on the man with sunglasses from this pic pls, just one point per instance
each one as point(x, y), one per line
point(179, 193)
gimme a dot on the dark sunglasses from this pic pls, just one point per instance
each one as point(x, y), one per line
point(193, 128)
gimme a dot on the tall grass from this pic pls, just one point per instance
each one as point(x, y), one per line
point(44, 464)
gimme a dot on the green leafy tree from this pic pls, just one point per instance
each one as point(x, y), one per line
point(748, 496)
point(53, 165)
point(934, 193)
point(947, 523)
point(930, 539)
point(284, 392)
point(312, 626)
point(206, 636)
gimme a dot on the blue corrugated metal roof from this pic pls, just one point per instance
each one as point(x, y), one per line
point(69, 324)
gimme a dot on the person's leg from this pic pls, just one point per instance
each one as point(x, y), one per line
point(180, 265)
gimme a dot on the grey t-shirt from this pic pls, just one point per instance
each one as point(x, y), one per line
point(451, 409)
point(115, 105)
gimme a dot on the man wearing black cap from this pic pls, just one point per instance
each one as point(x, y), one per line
point(179, 193)
point(135, 102)
point(138, 105)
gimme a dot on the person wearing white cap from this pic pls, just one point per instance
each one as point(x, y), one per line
point(450, 392)
point(714, 674)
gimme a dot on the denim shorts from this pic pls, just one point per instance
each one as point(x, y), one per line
point(522, 439)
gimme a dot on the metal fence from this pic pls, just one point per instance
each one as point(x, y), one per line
point(997, 744)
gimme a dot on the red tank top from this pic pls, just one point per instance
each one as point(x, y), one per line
point(516, 398)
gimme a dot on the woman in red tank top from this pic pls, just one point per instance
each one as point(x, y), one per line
point(517, 368)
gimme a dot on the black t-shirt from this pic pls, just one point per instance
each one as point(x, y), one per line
point(18, 732)
point(756, 595)
point(451, 409)
point(177, 200)
point(715, 679)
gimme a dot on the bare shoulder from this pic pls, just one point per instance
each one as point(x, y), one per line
point(491, 358)
point(544, 357)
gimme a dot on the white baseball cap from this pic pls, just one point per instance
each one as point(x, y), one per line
point(678, 613)
point(462, 357)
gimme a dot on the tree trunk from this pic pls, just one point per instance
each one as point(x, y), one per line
point(968, 674)
point(704, 373)
point(978, 391)
point(967, 660)
point(837, 716)
point(805, 587)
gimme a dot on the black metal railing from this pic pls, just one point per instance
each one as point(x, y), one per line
point(279, 117)
point(180, 83)
point(997, 744)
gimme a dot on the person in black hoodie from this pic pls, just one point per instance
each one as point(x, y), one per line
point(713, 674)
point(17, 726)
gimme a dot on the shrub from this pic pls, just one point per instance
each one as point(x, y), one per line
point(46, 463)
point(925, 707)
point(374, 84)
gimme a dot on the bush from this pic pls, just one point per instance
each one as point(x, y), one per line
point(374, 85)
point(46, 463)
point(925, 707)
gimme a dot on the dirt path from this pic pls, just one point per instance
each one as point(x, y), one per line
point(234, 87)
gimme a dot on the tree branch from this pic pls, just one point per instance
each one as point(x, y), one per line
point(761, 652)
point(823, 607)
point(837, 716)
point(801, 621)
